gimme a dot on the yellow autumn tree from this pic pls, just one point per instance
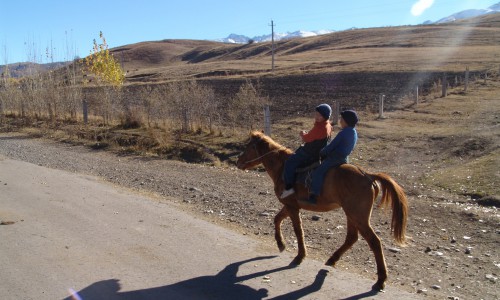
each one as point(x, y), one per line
point(109, 78)
point(103, 64)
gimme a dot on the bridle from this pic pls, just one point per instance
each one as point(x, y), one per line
point(266, 154)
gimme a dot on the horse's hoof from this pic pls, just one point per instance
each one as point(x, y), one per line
point(330, 262)
point(378, 287)
point(281, 247)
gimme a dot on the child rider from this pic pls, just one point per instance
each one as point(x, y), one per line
point(308, 153)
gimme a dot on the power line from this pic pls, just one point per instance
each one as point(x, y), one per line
point(272, 44)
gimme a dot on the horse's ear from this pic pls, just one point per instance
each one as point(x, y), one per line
point(255, 133)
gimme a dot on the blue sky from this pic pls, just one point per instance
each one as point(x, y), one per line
point(67, 27)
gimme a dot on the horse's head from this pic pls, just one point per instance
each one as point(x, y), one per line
point(249, 157)
point(258, 147)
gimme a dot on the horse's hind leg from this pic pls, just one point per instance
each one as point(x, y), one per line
point(376, 246)
point(299, 233)
point(278, 219)
point(351, 238)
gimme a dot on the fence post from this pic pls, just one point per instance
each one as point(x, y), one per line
point(466, 79)
point(335, 112)
point(267, 120)
point(85, 112)
point(445, 86)
point(416, 96)
point(381, 107)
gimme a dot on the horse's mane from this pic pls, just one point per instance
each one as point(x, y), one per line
point(266, 139)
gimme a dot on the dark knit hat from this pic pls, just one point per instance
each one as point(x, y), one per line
point(350, 117)
point(325, 110)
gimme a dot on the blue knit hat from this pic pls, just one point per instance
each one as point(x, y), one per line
point(325, 110)
point(350, 117)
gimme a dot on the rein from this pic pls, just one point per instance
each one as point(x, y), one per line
point(267, 153)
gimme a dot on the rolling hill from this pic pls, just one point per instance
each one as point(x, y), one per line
point(442, 47)
point(352, 66)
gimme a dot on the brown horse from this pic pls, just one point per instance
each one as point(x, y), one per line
point(347, 186)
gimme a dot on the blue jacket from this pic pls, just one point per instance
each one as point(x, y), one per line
point(342, 145)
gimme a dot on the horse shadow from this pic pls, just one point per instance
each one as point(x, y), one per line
point(224, 285)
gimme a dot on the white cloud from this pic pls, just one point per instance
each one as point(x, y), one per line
point(420, 6)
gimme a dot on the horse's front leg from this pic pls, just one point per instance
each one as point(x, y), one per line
point(278, 219)
point(299, 233)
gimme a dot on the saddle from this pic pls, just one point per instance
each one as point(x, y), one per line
point(304, 175)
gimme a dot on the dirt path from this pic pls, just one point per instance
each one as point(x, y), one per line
point(65, 231)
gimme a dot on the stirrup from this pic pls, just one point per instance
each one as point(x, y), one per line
point(287, 193)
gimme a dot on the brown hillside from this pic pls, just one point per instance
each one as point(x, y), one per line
point(448, 47)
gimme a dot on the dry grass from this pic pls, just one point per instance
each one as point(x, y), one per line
point(478, 177)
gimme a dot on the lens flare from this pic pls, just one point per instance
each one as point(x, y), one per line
point(73, 294)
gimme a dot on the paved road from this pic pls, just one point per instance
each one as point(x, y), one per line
point(67, 233)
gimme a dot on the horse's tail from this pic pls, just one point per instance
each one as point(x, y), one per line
point(393, 194)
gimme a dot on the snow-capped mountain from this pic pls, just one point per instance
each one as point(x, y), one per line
point(469, 13)
point(242, 39)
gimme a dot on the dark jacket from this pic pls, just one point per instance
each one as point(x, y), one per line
point(313, 148)
point(342, 145)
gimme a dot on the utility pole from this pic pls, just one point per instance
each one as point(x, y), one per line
point(272, 44)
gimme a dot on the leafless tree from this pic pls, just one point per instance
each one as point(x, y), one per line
point(245, 108)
